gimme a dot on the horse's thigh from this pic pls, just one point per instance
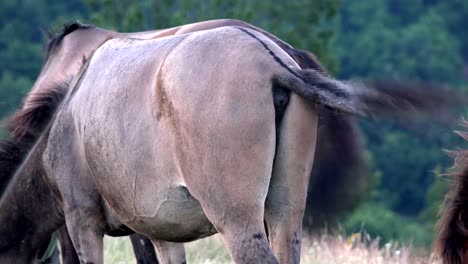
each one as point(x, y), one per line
point(232, 194)
point(286, 197)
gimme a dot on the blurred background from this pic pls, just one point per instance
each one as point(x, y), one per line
point(417, 40)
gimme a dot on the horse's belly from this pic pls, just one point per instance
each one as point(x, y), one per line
point(142, 187)
point(177, 217)
point(148, 194)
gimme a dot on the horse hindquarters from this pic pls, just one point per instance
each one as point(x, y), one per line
point(231, 185)
point(224, 136)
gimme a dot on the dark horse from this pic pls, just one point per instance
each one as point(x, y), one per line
point(452, 239)
point(129, 149)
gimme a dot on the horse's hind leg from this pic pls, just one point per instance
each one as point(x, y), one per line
point(170, 252)
point(286, 197)
point(246, 240)
point(68, 252)
point(143, 249)
point(87, 232)
point(232, 184)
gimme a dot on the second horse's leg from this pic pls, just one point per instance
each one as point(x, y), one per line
point(143, 249)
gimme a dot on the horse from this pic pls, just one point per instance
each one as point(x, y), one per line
point(77, 41)
point(80, 40)
point(452, 236)
point(129, 149)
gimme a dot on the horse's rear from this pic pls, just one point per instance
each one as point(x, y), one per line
point(222, 115)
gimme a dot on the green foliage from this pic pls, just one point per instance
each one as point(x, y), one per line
point(381, 222)
point(455, 13)
point(3, 133)
point(12, 90)
point(434, 199)
point(378, 220)
point(373, 42)
point(406, 158)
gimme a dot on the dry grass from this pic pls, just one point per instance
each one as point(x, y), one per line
point(322, 250)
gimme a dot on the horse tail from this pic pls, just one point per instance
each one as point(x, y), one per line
point(354, 98)
point(338, 138)
point(365, 99)
point(452, 226)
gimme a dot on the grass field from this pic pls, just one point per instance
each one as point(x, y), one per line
point(322, 250)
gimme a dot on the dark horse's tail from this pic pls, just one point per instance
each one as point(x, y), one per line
point(452, 237)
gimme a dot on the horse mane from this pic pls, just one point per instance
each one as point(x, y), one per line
point(28, 123)
point(452, 227)
point(68, 28)
point(26, 126)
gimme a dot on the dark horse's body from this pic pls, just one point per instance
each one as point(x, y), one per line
point(77, 42)
point(452, 239)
